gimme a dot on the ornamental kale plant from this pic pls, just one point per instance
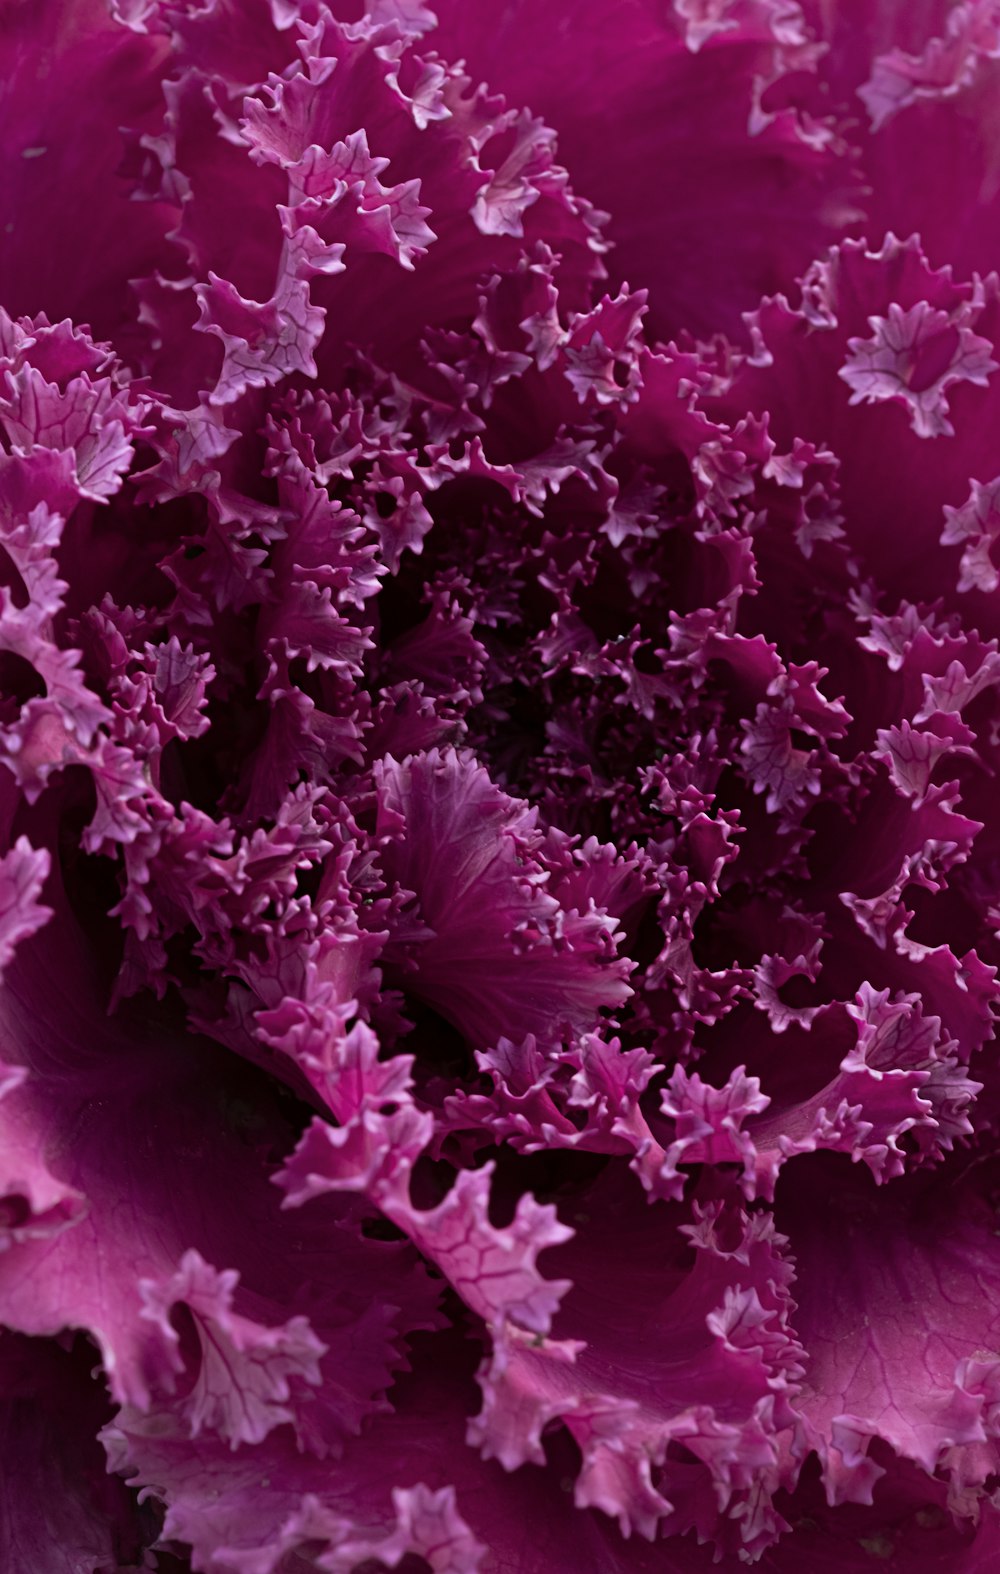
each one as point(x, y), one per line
point(500, 728)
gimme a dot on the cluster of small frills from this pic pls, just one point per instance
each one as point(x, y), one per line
point(500, 876)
